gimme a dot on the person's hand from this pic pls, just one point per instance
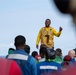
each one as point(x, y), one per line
point(60, 29)
point(37, 46)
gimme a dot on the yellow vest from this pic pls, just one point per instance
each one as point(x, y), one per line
point(46, 37)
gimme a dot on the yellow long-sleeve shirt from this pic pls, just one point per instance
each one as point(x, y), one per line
point(46, 36)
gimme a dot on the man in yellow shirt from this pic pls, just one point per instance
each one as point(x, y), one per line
point(46, 35)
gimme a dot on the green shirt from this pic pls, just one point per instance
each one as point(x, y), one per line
point(58, 59)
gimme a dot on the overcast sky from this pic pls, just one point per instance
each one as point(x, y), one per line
point(26, 17)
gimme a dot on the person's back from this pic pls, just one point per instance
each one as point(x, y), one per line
point(48, 66)
point(71, 53)
point(58, 57)
point(42, 53)
point(10, 51)
point(27, 49)
point(9, 67)
point(74, 58)
point(34, 53)
point(66, 63)
point(26, 62)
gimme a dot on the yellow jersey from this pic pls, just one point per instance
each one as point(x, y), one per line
point(46, 36)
